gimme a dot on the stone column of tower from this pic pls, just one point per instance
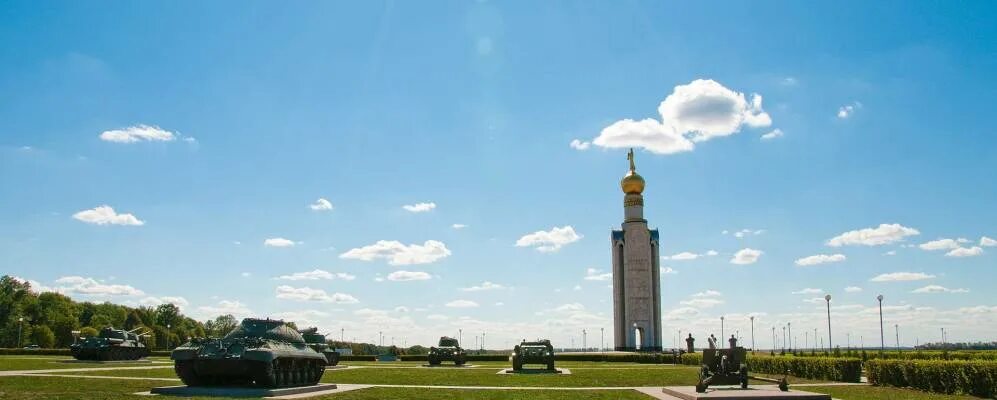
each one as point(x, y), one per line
point(636, 273)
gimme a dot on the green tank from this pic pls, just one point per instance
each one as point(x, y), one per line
point(447, 350)
point(317, 342)
point(538, 352)
point(264, 352)
point(111, 345)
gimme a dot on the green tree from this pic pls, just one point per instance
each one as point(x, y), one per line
point(167, 314)
point(42, 336)
point(222, 325)
point(88, 332)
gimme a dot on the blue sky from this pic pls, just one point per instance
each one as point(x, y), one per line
point(884, 110)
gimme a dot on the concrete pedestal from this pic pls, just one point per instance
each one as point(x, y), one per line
point(736, 393)
point(239, 391)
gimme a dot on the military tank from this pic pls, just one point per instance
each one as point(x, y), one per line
point(111, 345)
point(538, 352)
point(317, 342)
point(264, 352)
point(448, 349)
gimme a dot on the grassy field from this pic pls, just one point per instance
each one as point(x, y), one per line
point(584, 374)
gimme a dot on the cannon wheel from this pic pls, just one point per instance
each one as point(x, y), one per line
point(743, 372)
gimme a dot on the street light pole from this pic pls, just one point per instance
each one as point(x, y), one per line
point(783, 339)
point(897, 327)
point(20, 324)
point(721, 328)
point(460, 335)
point(882, 340)
point(584, 339)
point(602, 339)
point(752, 318)
point(773, 339)
point(789, 325)
point(828, 299)
point(342, 334)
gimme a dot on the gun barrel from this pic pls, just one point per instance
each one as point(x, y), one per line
point(133, 330)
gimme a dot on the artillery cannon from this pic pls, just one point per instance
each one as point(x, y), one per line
point(448, 349)
point(537, 352)
point(111, 344)
point(729, 367)
point(264, 352)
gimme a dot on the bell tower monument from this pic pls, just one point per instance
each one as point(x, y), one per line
point(636, 272)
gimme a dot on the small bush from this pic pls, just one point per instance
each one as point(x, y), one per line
point(977, 378)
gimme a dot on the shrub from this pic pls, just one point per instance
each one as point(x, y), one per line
point(977, 378)
point(830, 368)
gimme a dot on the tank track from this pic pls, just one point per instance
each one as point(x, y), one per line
point(279, 373)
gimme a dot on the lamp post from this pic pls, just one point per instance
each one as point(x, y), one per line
point(815, 340)
point(20, 324)
point(783, 339)
point(602, 339)
point(722, 328)
point(168, 326)
point(897, 328)
point(789, 325)
point(773, 339)
point(828, 299)
point(806, 341)
point(482, 341)
point(752, 318)
point(460, 335)
point(380, 338)
point(342, 334)
point(882, 340)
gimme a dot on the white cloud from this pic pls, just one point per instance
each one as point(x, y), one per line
point(708, 293)
point(938, 289)
point(321, 205)
point(577, 287)
point(180, 302)
point(89, 286)
point(278, 242)
point(309, 294)
point(399, 254)
point(137, 133)
point(461, 304)
point(499, 304)
point(890, 253)
point(486, 285)
point(580, 145)
point(746, 256)
point(681, 313)
point(901, 276)
point(853, 289)
point(965, 252)
point(788, 81)
point(401, 309)
point(701, 302)
point(105, 215)
point(419, 207)
point(549, 241)
point(776, 133)
point(820, 259)
point(437, 317)
point(847, 110)
point(224, 307)
point(696, 112)
point(987, 242)
point(940, 244)
point(815, 300)
point(668, 270)
point(316, 275)
point(458, 226)
point(883, 234)
point(246, 274)
point(401, 276)
point(745, 232)
point(592, 274)
point(686, 255)
point(808, 291)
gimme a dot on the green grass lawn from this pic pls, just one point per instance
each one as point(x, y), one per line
point(15, 363)
point(880, 393)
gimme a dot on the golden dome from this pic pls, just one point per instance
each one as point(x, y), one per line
point(633, 183)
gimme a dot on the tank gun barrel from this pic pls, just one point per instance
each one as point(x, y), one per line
point(133, 330)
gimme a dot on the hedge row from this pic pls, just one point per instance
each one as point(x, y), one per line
point(977, 378)
point(906, 355)
point(828, 368)
point(647, 358)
